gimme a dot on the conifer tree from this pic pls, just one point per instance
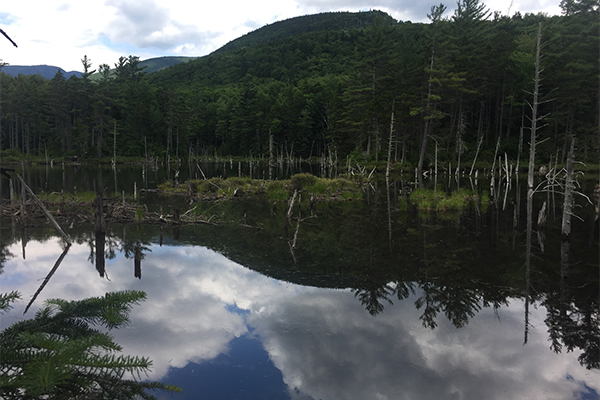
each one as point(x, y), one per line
point(62, 353)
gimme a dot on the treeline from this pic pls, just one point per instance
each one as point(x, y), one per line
point(459, 85)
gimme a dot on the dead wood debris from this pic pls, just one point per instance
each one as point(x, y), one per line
point(114, 212)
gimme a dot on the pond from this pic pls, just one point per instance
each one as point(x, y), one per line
point(352, 300)
point(73, 178)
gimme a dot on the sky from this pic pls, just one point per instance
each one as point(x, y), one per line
point(62, 32)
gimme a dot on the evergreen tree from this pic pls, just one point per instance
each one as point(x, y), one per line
point(62, 354)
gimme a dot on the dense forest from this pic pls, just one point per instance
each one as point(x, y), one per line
point(346, 85)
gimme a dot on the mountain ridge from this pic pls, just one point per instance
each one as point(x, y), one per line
point(49, 71)
point(325, 21)
point(45, 71)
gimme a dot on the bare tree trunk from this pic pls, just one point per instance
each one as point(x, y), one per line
point(390, 141)
point(519, 151)
point(427, 112)
point(271, 160)
point(476, 154)
point(114, 160)
point(568, 198)
point(534, 120)
point(534, 106)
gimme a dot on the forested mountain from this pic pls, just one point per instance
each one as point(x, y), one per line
point(46, 71)
point(327, 84)
point(152, 65)
point(332, 21)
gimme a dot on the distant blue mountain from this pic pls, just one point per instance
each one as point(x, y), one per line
point(46, 71)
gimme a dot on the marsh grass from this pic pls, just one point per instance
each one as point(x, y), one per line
point(277, 190)
point(425, 199)
point(139, 214)
point(429, 200)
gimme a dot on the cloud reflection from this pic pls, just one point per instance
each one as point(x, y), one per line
point(325, 344)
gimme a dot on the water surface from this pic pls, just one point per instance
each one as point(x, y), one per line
point(370, 302)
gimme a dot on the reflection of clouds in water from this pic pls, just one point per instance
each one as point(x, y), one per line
point(185, 316)
point(323, 341)
point(328, 347)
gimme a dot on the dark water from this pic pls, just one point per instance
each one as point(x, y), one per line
point(358, 300)
point(124, 177)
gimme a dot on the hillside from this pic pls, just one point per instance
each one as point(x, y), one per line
point(152, 65)
point(330, 21)
point(287, 51)
point(46, 71)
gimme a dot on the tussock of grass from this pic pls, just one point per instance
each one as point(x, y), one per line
point(429, 200)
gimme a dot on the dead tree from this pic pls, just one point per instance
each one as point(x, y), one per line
point(530, 174)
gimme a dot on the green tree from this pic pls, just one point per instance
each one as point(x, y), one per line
point(430, 110)
point(370, 91)
point(62, 354)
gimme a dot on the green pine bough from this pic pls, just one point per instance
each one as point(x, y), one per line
point(62, 352)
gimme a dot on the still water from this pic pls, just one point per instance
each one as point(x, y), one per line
point(370, 302)
point(73, 178)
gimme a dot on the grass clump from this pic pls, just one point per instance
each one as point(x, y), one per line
point(318, 187)
point(139, 214)
point(302, 181)
point(425, 199)
point(429, 200)
point(276, 190)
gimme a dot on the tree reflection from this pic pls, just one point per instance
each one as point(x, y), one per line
point(136, 249)
point(372, 298)
point(572, 319)
point(5, 255)
point(102, 246)
point(430, 306)
point(100, 259)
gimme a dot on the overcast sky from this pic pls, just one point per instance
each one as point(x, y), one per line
point(61, 32)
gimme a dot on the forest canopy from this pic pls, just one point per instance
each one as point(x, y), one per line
point(328, 84)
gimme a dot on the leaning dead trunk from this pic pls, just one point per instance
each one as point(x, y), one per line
point(44, 209)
